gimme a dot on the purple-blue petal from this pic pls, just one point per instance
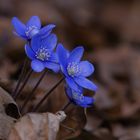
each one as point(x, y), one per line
point(85, 83)
point(19, 27)
point(88, 100)
point(77, 98)
point(72, 84)
point(29, 52)
point(50, 42)
point(36, 43)
point(37, 65)
point(76, 54)
point(86, 68)
point(45, 31)
point(54, 57)
point(34, 21)
point(85, 102)
point(53, 66)
point(62, 57)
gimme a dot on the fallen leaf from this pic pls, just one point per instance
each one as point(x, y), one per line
point(9, 113)
point(71, 127)
point(37, 126)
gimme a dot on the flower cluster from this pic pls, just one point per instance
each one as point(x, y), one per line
point(45, 52)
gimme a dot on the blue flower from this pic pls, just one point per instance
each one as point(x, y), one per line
point(42, 54)
point(78, 98)
point(75, 71)
point(31, 28)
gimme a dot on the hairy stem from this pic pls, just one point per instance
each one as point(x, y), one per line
point(66, 106)
point(20, 77)
point(33, 91)
point(24, 83)
point(46, 95)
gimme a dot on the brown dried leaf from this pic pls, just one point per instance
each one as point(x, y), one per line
point(73, 124)
point(54, 103)
point(33, 126)
point(8, 113)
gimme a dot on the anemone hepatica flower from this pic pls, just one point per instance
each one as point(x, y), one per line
point(41, 53)
point(77, 97)
point(74, 70)
point(31, 28)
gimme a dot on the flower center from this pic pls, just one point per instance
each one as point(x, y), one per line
point(42, 54)
point(31, 31)
point(73, 69)
point(77, 96)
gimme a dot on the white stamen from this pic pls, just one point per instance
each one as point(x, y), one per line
point(42, 54)
point(77, 96)
point(73, 69)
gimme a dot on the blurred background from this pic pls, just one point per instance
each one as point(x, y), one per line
point(109, 32)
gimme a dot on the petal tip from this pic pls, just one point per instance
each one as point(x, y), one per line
point(37, 66)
